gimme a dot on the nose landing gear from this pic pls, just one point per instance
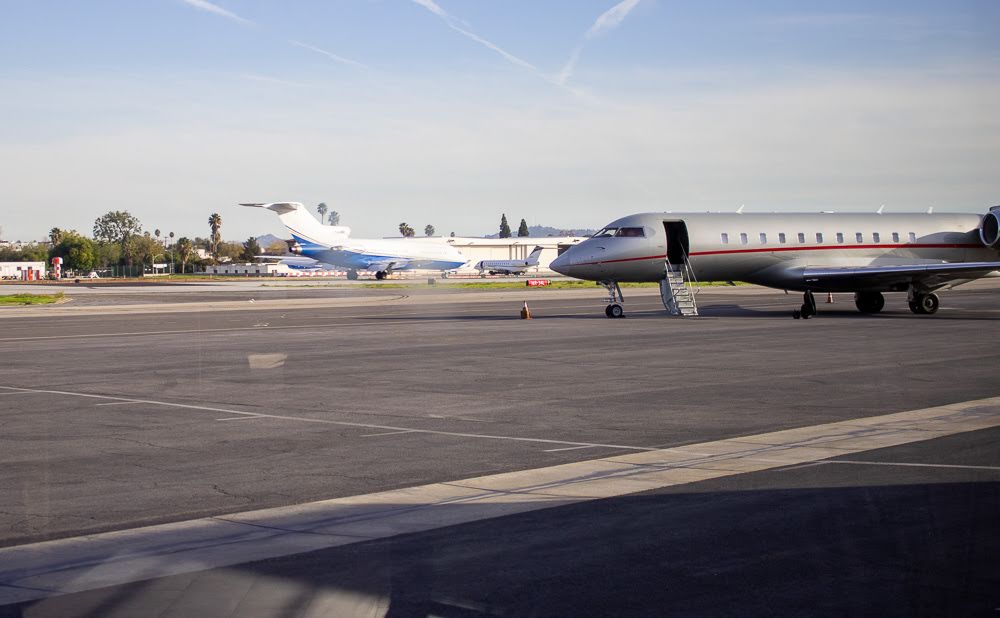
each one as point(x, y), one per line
point(616, 301)
point(808, 308)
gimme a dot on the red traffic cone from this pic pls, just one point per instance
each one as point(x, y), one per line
point(525, 312)
point(829, 297)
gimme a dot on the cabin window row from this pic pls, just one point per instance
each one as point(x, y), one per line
point(859, 238)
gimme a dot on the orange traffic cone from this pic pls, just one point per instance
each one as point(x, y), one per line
point(525, 312)
point(829, 297)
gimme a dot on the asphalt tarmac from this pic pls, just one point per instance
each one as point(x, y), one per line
point(123, 421)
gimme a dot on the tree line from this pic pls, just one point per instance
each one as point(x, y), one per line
point(118, 240)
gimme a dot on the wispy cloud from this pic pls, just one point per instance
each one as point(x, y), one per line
point(204, 5)
point(608, 20)
point(453, 23)
point(330, 55)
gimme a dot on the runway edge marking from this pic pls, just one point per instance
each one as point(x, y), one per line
point(39, 570)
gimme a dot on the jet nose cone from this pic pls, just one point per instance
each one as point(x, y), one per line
point(560, 264)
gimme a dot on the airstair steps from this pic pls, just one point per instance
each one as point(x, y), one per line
point(677, 294)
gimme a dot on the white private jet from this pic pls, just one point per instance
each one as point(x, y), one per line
point(331, 244)
point(868, 254)
point(509, 267)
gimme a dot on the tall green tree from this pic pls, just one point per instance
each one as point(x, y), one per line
point(406, 231)
point(428, 230)
point(334, 217)
point(215, 222)
point(321, 208)
point(522, 230)
point(504, 227)
point(55, 236)
point(116, 228)
point(251, 249)
point(184, 248)
point(141, 249)
point(77, 252)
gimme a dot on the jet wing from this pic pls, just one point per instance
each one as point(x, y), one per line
point(387, 264)
point(901, 275)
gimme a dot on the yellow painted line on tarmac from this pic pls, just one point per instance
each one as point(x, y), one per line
point(50, 568)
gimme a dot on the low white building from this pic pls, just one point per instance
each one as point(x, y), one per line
point(20, 270)
point(249, 270)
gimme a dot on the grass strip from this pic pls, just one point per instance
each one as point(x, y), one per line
point(30, 299)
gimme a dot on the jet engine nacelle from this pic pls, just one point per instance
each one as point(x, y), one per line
point(294, 247)
point(989, 229)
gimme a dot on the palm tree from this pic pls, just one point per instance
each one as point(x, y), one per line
point(156, 233)
point(55, 235)
point(184, 249)
point(215, 221)
point(321, 209)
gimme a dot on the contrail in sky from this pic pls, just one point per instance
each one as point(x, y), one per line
point(608, 20)
point(452, 23)
point(215, 9)
point(204, 5)
point(329, 54)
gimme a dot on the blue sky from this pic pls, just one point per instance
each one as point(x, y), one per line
point(565, 112)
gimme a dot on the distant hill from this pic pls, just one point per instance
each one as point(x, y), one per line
point(266, 240)
point(542, 231)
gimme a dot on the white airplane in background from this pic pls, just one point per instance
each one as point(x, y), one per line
point(868, 254)
point(296, 262)
point(509, 267)
point(331, 244)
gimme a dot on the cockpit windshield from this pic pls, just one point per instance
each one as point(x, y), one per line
point(621, 232)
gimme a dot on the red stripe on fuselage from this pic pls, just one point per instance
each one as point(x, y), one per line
point(776, 249)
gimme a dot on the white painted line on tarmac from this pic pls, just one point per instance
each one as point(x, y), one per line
point(324, 421)
point(568, 448)
point(386, 433)
point(39, 570)
point(913, 465)
point(238, 418)
point(116, 403)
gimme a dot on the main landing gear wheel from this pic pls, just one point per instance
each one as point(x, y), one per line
point(614, 310)
point(869, 302)
point(925, 304)
point(808, 308)
point(381, 274)
point(352, 275)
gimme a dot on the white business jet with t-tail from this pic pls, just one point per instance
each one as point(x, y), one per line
point(332, 244)
point(509, 267)
point(868, 254)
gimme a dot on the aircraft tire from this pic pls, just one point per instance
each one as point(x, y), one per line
point(807, 311)
point(925, 304)
point(929, 303)
point(352, 275)
point(614, 310)
point(869, 302)
point(379, 275)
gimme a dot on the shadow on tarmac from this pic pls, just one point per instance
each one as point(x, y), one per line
point(886, 550)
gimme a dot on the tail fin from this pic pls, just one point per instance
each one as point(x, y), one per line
point(301, 223)
point(534, 255)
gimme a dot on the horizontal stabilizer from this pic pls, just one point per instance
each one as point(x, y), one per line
point(278, 207)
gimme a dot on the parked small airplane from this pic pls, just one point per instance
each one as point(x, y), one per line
point(868, 254)
point(296, 262)
point(509, 267)
point(331, 244)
